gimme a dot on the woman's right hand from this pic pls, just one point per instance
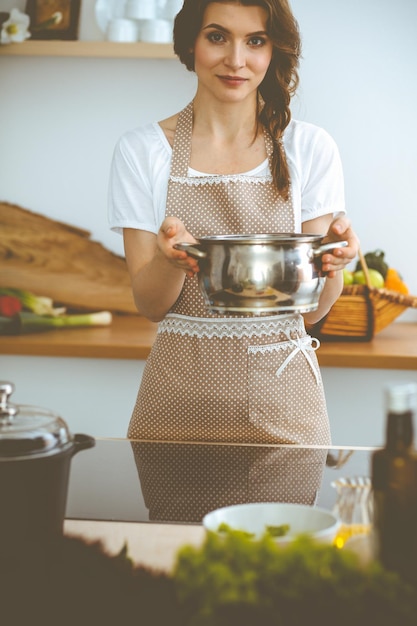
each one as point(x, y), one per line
point(171, 232)
point(157, 270)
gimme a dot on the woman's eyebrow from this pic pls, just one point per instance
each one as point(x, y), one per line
point(225, 30)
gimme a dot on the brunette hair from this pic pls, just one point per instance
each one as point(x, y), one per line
point(281, 79)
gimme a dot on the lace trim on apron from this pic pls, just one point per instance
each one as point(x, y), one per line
point(298, 344)
point(195, 181)
point(234, 328)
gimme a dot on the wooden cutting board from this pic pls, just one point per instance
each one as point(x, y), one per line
point(60, 261)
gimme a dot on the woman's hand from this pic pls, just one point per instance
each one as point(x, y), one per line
point(340, 229)
point(157, 270)
point(171, 232)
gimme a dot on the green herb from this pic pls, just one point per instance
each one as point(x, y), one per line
point(278, 531)
point(232, 579)
point(225, 528)
point(273, 531)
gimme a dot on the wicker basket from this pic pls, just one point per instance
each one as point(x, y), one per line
point(362, 311)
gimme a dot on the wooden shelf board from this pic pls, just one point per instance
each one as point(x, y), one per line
point(99, 49)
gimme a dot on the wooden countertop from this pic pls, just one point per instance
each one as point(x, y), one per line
point(131, 337)
point(156, 546)
point(149, 544)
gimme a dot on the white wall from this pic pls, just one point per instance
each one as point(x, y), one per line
point(62, 116)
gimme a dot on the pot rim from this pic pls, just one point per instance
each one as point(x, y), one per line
point(264, 238)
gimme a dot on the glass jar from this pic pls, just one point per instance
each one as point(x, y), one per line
point(354, 507)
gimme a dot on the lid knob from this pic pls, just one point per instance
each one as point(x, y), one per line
point(7, 410)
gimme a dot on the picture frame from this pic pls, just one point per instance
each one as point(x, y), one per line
point(41, 14)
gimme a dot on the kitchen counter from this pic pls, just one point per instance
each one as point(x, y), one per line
point(153, 495)
point(131, 337)
point(150, 545)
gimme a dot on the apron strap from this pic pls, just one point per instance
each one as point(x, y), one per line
point(181, 149)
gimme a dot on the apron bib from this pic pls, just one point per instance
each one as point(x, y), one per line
point(211, 377)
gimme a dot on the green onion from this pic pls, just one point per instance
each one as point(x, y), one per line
point(30, 322)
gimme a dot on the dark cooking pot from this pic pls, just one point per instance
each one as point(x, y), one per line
point(36, 449)
point(269, 273)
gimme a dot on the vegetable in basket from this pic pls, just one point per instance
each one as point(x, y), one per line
point(375, 261)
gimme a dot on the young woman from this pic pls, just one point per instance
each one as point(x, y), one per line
point(231, 162)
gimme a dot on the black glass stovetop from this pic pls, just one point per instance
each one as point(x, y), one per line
point(142, 481)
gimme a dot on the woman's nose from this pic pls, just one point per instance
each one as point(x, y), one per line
point(235, 57)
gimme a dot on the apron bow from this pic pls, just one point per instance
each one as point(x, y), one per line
point(301, 344)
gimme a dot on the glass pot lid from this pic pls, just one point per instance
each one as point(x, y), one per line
point(28, 430)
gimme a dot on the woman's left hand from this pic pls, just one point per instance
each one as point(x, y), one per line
point(340, 229)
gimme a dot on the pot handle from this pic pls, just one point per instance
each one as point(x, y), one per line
point(191, 249)
point(325, 247)
point(82, 442)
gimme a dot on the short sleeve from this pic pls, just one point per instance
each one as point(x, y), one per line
point(138, 181)
point(322, 190)
point(316, 171)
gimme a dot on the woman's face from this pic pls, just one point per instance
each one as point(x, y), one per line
point(232, 51)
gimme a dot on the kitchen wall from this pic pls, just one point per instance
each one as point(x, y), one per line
point(61, 117)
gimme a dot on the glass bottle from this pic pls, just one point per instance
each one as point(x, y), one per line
point(394, 485)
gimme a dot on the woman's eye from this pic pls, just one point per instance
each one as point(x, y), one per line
point(257, 42)
point(215, 37)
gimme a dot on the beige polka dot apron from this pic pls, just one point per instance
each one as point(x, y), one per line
point(211, 377)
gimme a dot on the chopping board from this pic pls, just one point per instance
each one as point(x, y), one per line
point(60, 261)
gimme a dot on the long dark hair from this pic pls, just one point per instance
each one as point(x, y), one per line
point(281, 79)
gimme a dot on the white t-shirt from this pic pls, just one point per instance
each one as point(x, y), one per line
point(141, 166)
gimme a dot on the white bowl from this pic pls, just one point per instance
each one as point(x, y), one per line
point(255, 517)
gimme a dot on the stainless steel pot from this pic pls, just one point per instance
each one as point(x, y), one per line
point(36, 449)
point(260, 274)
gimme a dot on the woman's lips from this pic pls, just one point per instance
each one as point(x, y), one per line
point(233, 81)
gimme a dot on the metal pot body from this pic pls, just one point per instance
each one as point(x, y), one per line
point(260, 274)
point(34, 494)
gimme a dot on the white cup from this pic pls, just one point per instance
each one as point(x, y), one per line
point(170, 9)
point(120, 29)
point(156, 31)
point(141, 9)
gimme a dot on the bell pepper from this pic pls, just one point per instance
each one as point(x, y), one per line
point(9, 305)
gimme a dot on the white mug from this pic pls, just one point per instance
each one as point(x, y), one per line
point(120, 29)
point(171, 8)
point(141, 9)
point(156, 31)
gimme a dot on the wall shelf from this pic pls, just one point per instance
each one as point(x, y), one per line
point(99, 49)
